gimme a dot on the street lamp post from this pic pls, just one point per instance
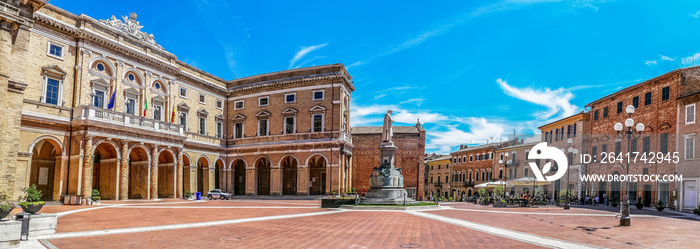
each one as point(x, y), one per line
point(571, 157)
point(504, 177)
point(627, 132)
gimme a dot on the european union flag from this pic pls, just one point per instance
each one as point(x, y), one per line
point(111, 101)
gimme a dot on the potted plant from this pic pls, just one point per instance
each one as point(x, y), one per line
point(95, 196)
point(31, 200)
point(697, 210)
point(640, 203)
point(6, 206)
point(188, 194)
point(614, 202)
point(660, 206)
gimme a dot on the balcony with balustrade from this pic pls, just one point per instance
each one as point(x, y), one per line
point(102, 116)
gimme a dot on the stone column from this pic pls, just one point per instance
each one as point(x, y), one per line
point(153, 186)
point(124, 172)
point(303, 179)
point(275, 180)
point(178, 179)
point(209, 184)
point(251, 182)
point(87, 169)
point(59, 179)
point(228, 175)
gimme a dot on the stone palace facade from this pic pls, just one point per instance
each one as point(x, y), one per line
point(98, 104)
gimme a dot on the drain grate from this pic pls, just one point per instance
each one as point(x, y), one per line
point(410, 245)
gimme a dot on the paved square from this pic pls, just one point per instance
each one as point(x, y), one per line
point(303, 224)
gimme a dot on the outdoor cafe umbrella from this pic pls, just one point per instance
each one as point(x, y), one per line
point(526, 181)
point(483, 185)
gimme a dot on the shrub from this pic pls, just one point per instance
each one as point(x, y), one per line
point(32, 196)
point(498, 191)
point(482, 192)
point(95, 195)
point(5, 204)
point(188, 194)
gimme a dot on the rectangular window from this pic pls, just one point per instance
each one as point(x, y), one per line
point(52, 90)
point(318, 95)
point(290, 98)
point(605, 112)
point(645, 171)
point(633, 146)
point(289, 125)
point(471, 158)
point(202, 126)
point(318, 123)
point(556, 135)
point(617, 148)
point(157, 111)
point(645, 144)
point(183, 92)
point(619, 107)
point(238, 105)
point(663, 147)
point(604, 148)
point(262, 127)
point(690, 147)
point(595, 115)
point(574, 130)
point(525, 172)
point(238, 130)
point(665, 93)
point(635, 101)
point(219, 104)
point(647, 98)
point(527, 155)
point(202, 99)
point(55, 50)
point(594, 152)
point(183, 120)
point(99, 99)
point(130, 106)
point(263, 101)
point(690, 114)
point(219, 129)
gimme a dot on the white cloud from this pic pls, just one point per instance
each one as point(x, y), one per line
point(302, 52)
point(556, 101)
point(690, 59)
point(418, 101)
point(649, 63)
point(443, 139)
point(666, 58)
point(696, 15)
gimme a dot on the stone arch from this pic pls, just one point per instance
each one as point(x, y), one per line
point(202, 174)
point(163, 82)
point(219, 176)
point(289, 165)
point(316, 154)
point(263, 171)
point(318, 168)
point(105, 163)
point(137, 75)
point(116, 147)
point(45, 168)
point(167, 169)
point(139, 164)
point(110, 66)
point(51, 139)
point(238, 169)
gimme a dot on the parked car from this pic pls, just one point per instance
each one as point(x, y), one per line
point(217, 193)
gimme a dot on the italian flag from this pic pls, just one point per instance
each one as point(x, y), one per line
point(145, 107)
point(172, 120)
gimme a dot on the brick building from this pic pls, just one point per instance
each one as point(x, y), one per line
point(409, 156)
point(514, 165)
point(687, 129)
point(438, 176)
point(477, 163)
point(656, 107)
point(98, 104)
point(557, 134)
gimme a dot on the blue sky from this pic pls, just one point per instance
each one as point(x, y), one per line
point(471, 70)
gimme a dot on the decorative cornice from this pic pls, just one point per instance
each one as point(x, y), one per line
point(16, 86)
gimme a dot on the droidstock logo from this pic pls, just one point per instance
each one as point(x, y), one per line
point(542, 151)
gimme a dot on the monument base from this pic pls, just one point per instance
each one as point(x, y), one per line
point(387, 196)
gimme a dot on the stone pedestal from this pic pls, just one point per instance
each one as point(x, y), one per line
point(386, 181)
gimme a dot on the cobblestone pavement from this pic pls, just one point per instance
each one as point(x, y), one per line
point(245, 223)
